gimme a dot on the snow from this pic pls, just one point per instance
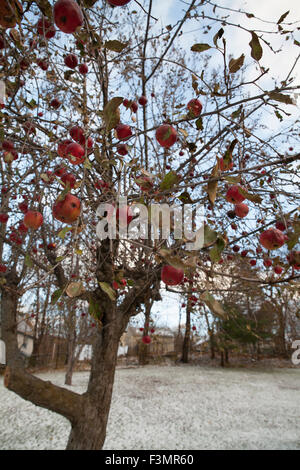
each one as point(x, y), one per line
point(172, 407)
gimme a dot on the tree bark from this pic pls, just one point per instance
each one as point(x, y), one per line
point(222, 359)
point(187, 335)
point(144, 348)
point(89, 430)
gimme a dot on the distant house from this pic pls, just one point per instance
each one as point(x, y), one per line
point(25, 339)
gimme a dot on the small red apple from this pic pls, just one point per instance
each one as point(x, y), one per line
point(7, 145)
point(55, 103)
point(171, 276)
point(77, 133)
point(118, 3)
point(33, 219)
point(67, 16)
point(146, 339)
point(83, 69)
point(22, 228)
point(45, 28)
point(134, 106)
point(241, 210)
point(3, 218)
point(3, 268)
point(195, 107)
point(71, 61)
point(166, 135)
point(272, 239)
point(143, 100)
point(69, 179)
point(123, 131)
point(75, 153)
point(43, 64)
point(62, 148)
point(67, 210)
point(122, 149)
point(278, 269)
point(267, 263)
point(233, 195)
point(23, 206)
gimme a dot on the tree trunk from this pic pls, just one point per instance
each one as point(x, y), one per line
point(226, 356)
point(71, 359)
point(9, 305)
point(212, 345)
point(144, 348)
point(222, 359)
point(281, 343)
point(187, 335)
point(89, 430)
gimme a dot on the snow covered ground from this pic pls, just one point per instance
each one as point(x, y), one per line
point(175, 407)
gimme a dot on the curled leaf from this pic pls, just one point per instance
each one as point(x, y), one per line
point(200, 47)
point(256, 49)
point(111, 113)
point(236, 64)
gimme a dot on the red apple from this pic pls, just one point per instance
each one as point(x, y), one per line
point(45, 28)
point(7, 145)
point(166, 135)
point(3, 218)
point(55, 103)
point(67, 15)
point(22, 228)
point(33, 219)
point(77, 133)
point(123, 131)
point(100, 184)
point(83, 69)
point(171, 276)
point(195, 107)
point(233, 195)
point(62, 148)
point(143, 101)
point(67, 210)
point(146, 339)
point(267, 263)
point(241, 210)
point(122, 149)
point(282, 224)
point(118, 3)
point(272, 239)
point(51, 246)
point(253, 262)
point(294, 259)
point(134, 106)
point(3, 268)
point(59, 171)
point(23, 206)
point(71, 61)
point(75, 153)
point(69, 179)
point(43, 64)
point(278, 269)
